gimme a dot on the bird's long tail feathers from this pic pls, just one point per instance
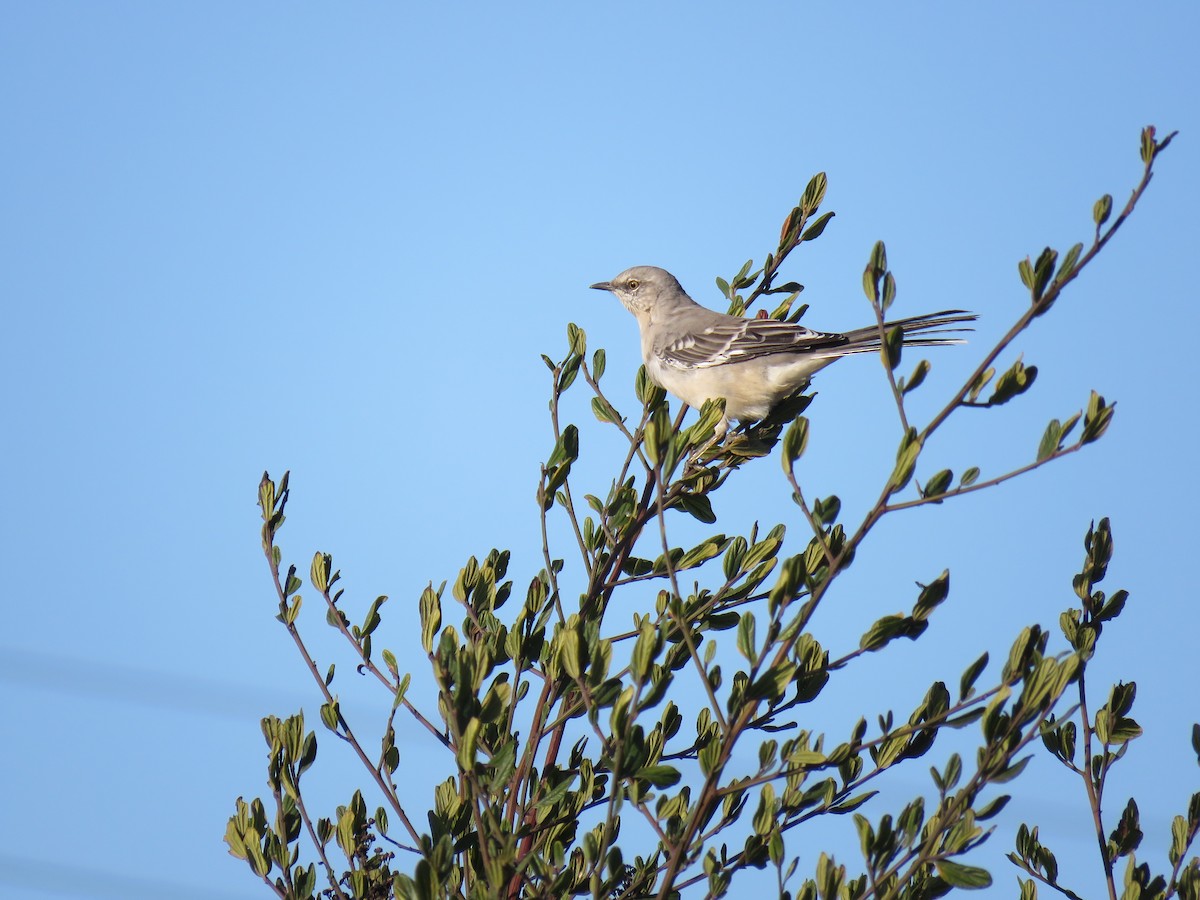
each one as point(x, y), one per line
point(917, 331)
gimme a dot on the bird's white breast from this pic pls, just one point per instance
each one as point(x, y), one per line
point(749, 388)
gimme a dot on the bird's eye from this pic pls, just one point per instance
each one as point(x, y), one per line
point(632, 284)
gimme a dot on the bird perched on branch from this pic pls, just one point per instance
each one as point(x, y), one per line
point(754, 364)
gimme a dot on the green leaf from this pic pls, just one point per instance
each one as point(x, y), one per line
point(1025, 269)
point(702, 553)
point(266, 496)
point(697, 506)
point(1123, 730)
point(604, 411)
point(1066, 742)
point(1017, 380)
point(566, 448)
point(659, 776)
point(969, 477)
point(772, 684)
point(870, 285)
point(788, 287)
point(320, 570)
point(649, 394)
point(1012, 771)
point(389, 660)
point(914, 380)
point(599, 362)
point(932, 595)
point(745, 636)
point(1043, 271)
point(889, 293)
point(1179, 839)
point(330, 715)
point(1096, 420)
point(874, 272)
point(1067, 267)
point(826, 511)
point(1121, 697)
point(795, 441)
point(814, 193)
point(953, 772)
point(813, 231)
point(465, 753)
point(1126, 837)
point(401, 690)
point(1069, 425)
point(1050, 440)
point(570, 371)
point(785, 590)
point(938, 483)
point(371, 622)
point(658, 435)
point(887, 629)
point(979, 384)
point(906, 461)
point(740, 280)
point(569, 656)
point(1148, 145)
point(1102, 210)
point(292, 610)
point(993, 808)
point(431, 617)
point(701, 432)
point(291, 583)
point(966, 687)
point(893, 340)
point(1113, 607)
point(735, 556)
point(576, 339)
point(853, 803)
point(648, 643)
point(970, 878)
point(879, 257)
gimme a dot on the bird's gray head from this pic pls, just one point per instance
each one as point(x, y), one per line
point(646, 288)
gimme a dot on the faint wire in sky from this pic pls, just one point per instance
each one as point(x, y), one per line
point(154, 688)
point(57, 877)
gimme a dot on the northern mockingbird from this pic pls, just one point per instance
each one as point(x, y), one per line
point(699, 355)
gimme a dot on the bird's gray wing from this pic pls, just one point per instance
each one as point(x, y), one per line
point(698, 342)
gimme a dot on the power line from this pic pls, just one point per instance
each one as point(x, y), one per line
point(145, 687)
point(86, 883)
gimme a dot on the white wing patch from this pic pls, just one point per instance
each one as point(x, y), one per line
point(738, 340)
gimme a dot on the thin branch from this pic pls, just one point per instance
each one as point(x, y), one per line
point(312, 834)
point(338, 620)
point(595, 386)
point(1024, 866)
point(682, 623)
point(1054, 289)
point(818, 528)
point(393, 799)
point(551, 574)
point(917, 858)
point(566, 489)
point(877, 308)
point(1094, 796)
point(981, 485)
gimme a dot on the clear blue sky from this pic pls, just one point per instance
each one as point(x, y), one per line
point(336, 238)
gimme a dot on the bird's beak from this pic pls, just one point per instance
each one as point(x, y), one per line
point(601, 286)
